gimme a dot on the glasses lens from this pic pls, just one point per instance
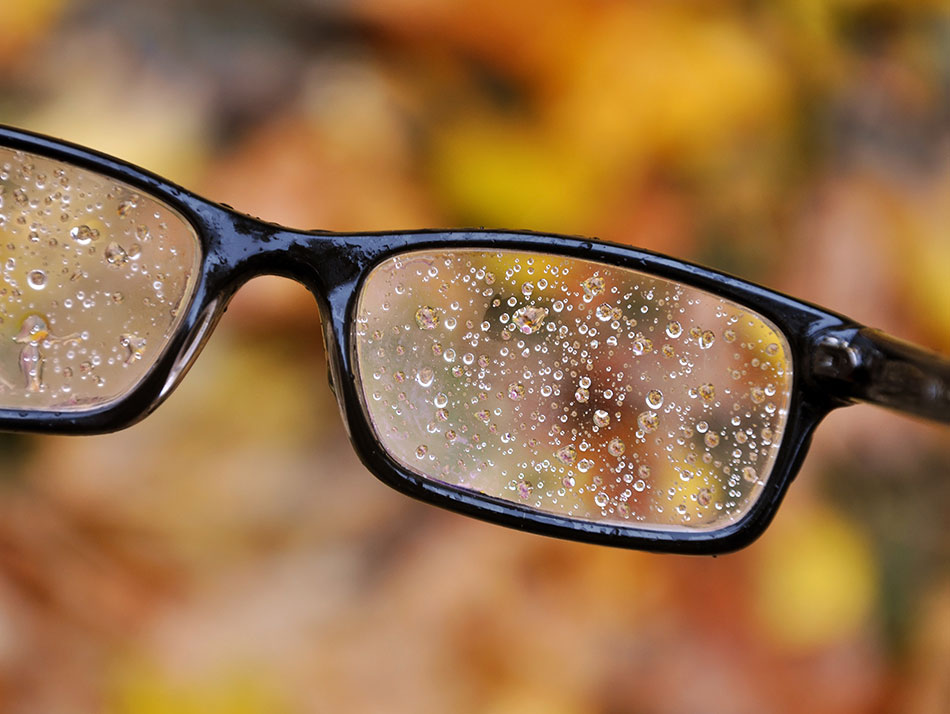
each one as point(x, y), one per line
point(572, 387)
point(96, 276)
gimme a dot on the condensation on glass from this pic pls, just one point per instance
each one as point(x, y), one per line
point(96, 276)
point(572, 387)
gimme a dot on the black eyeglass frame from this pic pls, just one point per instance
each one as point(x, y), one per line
point(836, 361)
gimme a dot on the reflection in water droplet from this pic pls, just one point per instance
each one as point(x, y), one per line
point(36, 279)
point(125, 207)
point(654, 399)
point(425, 377)
point(704, 497)
point(566, 454)
point(115, 253)
point(601, 499)
point(427, 318)
point(529, 319)
point(706, 339)
point(593, 286)
point(674, 329)
point(84, 235)
point(601, 418)
point(440, 400)
point(707, 392)
point(135, 345)
point(616, 447)
point(581, 395)
point(648, 422)
point(516, 391)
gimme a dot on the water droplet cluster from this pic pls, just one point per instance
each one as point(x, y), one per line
point(94, 278)
point(572, 387)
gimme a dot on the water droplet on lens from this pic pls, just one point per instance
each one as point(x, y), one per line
point(524, 489)
point(422, 451)
point(616, 447)
point(484, 415)
point(516, 391)
point(581, 395)
point(757, 395)
point(440, 400)
point(116, 254)
point(749, 474)
point(584, 382)
point(772, 349)
point(604, 312)
point(707, 392)
point(706, 339)
point(36, 279)
point(427, 318)
point(711, 439)
point(593, 286)
point(729, 336)
point(601, 418)
point(125, 207)
point(654, 399)
point(84, 235)
point(425, 377)
point(529, 319)
point(674, 329)
point(704, 496)
point(648, 422)
point(566, 454)
point(527, 289)
point(601, 499)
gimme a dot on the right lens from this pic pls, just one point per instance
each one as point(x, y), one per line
point(572, 387)
point(96, 278)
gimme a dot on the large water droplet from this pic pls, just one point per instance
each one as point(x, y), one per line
point(616, 447)
point(427, 318)
point(84, 235)
point(674, 329)
point(516, 391)
point(36, 279)
point(529, 319)
point(601, 418)
point(566, 454)
point(707, 392)
point(648, 422)
point(425, 376)
point(654, 399)
point(706, 339)
point(593, 286)
point(116, 254)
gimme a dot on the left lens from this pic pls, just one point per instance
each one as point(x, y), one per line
point(572, 387)
point(96, 278)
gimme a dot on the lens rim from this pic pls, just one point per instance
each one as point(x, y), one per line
point(795, 319)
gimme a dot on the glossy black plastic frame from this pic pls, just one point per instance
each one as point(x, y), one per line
point(835, 360)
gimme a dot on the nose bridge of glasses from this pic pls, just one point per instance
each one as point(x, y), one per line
point(242, 247)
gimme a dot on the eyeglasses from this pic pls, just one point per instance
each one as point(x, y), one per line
point(554, 384)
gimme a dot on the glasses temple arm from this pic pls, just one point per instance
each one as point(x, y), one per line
point(860, 364)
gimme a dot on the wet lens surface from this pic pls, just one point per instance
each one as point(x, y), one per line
point(572, 387)
point(95, 278)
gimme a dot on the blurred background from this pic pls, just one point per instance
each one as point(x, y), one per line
point(230, 554)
